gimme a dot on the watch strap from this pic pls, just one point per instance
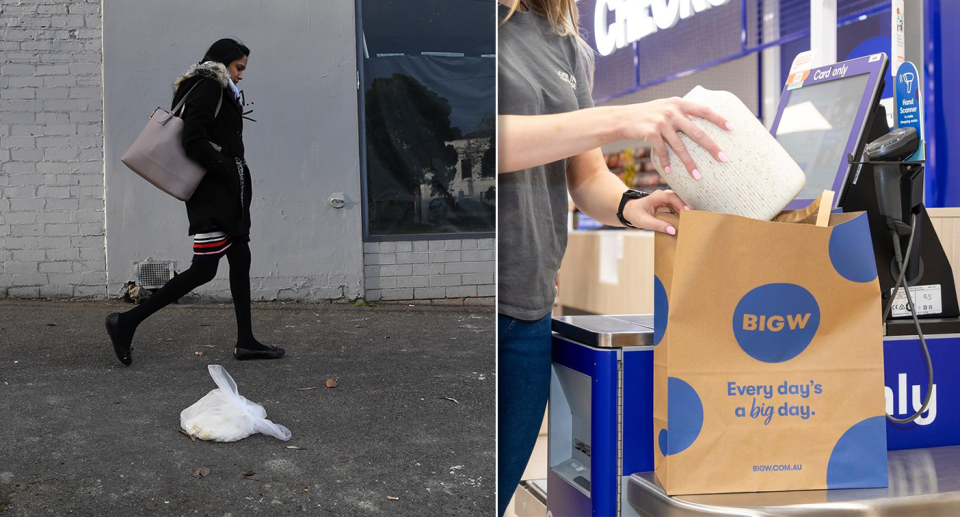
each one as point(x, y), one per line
point(627, 196)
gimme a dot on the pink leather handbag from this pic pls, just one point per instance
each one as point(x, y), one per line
point(158, 155)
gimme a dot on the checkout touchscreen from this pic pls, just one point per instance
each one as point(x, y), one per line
point(824, 119)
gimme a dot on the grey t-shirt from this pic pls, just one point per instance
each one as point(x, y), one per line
point(539, 73)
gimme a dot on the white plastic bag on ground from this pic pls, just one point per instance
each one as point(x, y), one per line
point(223, 415)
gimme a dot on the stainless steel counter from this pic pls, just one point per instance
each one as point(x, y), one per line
point(607, 331)
point(923, 482)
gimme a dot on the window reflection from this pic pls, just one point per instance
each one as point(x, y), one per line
point(428, 97)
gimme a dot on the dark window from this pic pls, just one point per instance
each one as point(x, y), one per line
point(428, 102)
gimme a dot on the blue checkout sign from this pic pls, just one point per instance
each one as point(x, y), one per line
point(909, 103)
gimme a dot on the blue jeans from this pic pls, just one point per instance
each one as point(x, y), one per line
point(523, 385)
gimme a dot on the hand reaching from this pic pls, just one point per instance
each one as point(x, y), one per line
point(642, 212)
point(659, 122)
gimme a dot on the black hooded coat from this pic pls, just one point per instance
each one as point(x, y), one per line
point(222, 200)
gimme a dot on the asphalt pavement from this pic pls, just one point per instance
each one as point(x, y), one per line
point(408, 429)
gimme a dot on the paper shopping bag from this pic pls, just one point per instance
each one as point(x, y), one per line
point(768, 366)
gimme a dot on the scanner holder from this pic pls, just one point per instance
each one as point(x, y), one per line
point(890, 192)
point(899, 192)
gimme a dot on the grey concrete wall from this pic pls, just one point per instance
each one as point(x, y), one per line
point(301, 79)
point(51, 149)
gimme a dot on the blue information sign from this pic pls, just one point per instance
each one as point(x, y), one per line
point(909, 104)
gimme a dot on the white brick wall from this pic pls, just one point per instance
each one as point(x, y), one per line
point(286, 288)
point(51, 149)
point(459, 271)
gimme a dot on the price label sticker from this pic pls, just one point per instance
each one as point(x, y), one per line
point(800, 69)
point(926, 298)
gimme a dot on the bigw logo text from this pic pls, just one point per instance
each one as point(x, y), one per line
point(775, 323)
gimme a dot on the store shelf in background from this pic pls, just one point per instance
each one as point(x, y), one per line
point(634, 168)
point(607, 272)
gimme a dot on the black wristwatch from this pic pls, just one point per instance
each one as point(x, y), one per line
point(627, 196)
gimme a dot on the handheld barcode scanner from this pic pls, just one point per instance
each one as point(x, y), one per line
point(899, 212)
point(899, 188)
point(894, 146)
point(899, 191)
point(889, 177)
point(893, 200)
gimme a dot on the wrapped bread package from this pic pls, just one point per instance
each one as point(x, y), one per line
point(758, 180)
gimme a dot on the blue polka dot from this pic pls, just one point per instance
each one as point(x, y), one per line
point(851, 250)
point(774, 323)
point(859, 460)
point(661, 309)
point(684, 417)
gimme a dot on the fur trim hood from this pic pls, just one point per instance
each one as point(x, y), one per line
point(212, 70)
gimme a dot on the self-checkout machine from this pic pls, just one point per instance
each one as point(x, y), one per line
point(832, 123)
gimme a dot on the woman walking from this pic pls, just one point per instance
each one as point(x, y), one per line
point(549, 136)
point(219, 211)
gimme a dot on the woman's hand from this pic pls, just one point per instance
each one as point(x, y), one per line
point(658, 122)
point(642, 212)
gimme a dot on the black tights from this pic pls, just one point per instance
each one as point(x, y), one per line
point(238, 256)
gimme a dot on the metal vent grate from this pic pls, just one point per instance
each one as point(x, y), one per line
point(152, 274)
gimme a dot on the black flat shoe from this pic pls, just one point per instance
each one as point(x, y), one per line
point(243, 354)
point(122, 350)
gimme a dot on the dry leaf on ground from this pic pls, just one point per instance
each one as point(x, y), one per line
point(201, 472)
point(331, 383)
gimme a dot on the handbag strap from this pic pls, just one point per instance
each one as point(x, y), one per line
point(182, 104)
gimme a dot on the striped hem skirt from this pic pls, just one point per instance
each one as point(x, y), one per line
point(213, 245)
